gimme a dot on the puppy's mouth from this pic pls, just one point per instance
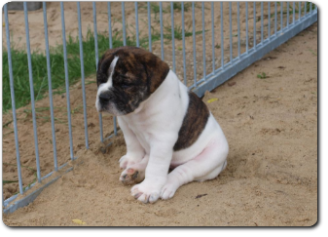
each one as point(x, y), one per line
point(107, 108)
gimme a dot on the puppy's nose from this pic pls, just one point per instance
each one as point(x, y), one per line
point(105, 97)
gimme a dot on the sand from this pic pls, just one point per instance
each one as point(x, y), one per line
point(270, 180)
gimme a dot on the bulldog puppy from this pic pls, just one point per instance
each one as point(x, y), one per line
point(164, 125)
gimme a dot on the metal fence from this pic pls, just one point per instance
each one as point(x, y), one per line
point(228, 38)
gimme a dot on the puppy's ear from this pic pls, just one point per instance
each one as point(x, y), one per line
point(156, 71)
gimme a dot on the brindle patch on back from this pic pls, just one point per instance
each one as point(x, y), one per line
point(193, 124)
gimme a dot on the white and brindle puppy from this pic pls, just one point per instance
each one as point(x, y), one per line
point(164, 125)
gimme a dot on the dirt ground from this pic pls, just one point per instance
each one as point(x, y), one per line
point(270, 180)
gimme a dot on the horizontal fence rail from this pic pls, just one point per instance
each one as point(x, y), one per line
point(204, 43)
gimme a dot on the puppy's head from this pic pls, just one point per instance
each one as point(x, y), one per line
point(127, 76)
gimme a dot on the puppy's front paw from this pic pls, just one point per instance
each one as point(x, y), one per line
point(131, 176)
point(127, 161)
point(146, 191)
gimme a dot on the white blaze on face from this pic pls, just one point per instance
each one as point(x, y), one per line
point(112, 67)
point(106, 86)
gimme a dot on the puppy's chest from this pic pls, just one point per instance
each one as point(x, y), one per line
point(142, 131)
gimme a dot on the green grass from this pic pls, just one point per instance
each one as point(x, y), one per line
point(262, 75)
point(308, 6)
point(314, 53)
point(178, 33)
point(177, 6)
point(6, 124)
point(290, 10)
point(16, 181)
point(39, 114)
point(154, 8)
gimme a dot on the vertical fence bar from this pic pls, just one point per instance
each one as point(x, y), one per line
point(111, 46)
point(67, 81)
point(149, 25)
point(287, 24)
point(299, 10)
point(96, 53)
point(13, 106)
point(194, 42)
point(161, 25)
point(172, 33)
point(82, 76)
point(310, 10)
point(261, 22)
point(269, 19)
point(137, 23)
point(95, 31)
point(246, 26)
point(109, 25)
point(281, 16)
point(230, 31)
point(115, 125)
point(293, 12)
point(254, 24)
point(222, 38)
point(238, 25)
point(313, 7)
point(29, 61)
point(275, 18)
point(52, 117)
point(213, 43)
point(123, 23)
point(183, 45)
point(204, 47)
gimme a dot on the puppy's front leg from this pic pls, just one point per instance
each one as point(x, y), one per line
point(156, 173)
point(134, 151)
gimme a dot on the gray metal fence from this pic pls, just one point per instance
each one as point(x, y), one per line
point(229, 38)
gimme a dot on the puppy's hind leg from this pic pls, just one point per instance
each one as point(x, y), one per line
point(207, 165)
point(135, 173)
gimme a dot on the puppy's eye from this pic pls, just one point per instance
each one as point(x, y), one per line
point(101, 78)
point(125, 85)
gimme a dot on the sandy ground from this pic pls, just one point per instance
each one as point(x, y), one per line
point(270, 180)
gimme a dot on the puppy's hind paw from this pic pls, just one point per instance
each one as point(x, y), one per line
point(131, 176)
